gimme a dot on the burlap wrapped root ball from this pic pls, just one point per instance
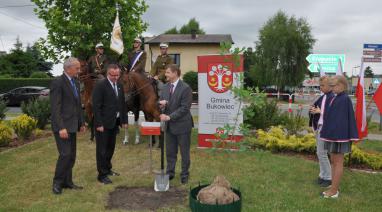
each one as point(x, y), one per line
point(219, 192)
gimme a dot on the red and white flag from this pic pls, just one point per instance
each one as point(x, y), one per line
point(378, 98)
point(360, 110)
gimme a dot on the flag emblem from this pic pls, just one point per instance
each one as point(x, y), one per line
point(220, 77)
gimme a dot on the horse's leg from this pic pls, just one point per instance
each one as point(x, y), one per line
point(126, 138)
point(137, 133)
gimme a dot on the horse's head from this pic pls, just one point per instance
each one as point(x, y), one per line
point(125, 80)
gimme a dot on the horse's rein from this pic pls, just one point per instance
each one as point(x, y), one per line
point(87, 76)
point(136, 91)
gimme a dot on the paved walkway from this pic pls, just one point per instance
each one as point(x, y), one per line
point(377, 137)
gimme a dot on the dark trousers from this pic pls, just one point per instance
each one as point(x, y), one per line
point(66, 159)
point(105, 146)
point(172, 143)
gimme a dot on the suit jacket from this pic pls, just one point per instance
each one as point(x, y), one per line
point(66, 109)
point(178, 108)
point(106, 104)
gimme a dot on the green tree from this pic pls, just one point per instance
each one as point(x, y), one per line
point(192, 25)
point(76, 26)
point(369, 72)
point(21, 63)
point(43, 66)
point(172, 31)
point(249, 61)
point(283, 45)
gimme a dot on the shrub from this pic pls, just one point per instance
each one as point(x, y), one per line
point(5, 76)
point(3, 109)
point(191, 78)
point(23, 126)
point(5, 134)
point(39, 74)
point(276, 140)
point(359, 156)
point(263, 114)
point(293, 122)
point(38, 132)
point(39, 109)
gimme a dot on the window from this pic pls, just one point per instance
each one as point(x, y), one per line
point(175, 58)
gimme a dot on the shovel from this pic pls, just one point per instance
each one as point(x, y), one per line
point(162, 180)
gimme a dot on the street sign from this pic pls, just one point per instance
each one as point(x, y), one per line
point(372, 52)
point(376, 81)
point(329, 62)
point(372, 59)
point(328, 67)
point(372, 46)
point(325, 58)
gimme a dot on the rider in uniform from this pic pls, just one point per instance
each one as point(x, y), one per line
point(137, 57)
point(98, 62)
point(159, 67)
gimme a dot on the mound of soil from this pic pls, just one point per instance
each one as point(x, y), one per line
point(144, 198)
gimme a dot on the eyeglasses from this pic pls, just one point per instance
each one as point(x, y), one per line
point(114, 75)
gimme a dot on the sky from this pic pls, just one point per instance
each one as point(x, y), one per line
point(340, 27)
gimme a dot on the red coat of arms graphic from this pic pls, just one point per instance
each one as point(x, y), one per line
point(220, 77)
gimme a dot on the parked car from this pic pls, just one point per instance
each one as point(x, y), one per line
point(24, 94)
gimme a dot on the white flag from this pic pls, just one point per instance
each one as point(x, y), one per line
point(116, 43)
point(339, 68)
point(322, 72)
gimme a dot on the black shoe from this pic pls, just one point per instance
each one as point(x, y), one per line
point(57, 189)
point(325, 183)
point(105, 180)
point(112, 173)
point(73, 186)
point(319, 180)
point(184, 180)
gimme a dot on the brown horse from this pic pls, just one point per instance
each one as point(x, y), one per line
point(88, 80)
point(140, 95)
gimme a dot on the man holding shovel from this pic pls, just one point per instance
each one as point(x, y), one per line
point(176, 100)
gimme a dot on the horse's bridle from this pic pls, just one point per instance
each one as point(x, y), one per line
point(132, 86)
point(86, 76)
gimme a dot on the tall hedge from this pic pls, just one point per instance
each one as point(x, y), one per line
point(11, 83)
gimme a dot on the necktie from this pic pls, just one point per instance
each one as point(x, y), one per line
point(171, 89)
point(115, 89)
point(74, 87)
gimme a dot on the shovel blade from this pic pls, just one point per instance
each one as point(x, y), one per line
point(162, 182)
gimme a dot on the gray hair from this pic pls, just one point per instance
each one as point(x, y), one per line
point(69, 62)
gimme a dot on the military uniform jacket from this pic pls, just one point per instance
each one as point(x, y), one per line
point(99, 67)
point(160, 65)
point(139, 66)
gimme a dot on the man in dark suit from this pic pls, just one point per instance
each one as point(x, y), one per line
point(109, 112)
point(176, 100)
point(67, 119)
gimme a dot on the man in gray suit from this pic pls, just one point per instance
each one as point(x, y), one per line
point(67, 119)
point(176, 101)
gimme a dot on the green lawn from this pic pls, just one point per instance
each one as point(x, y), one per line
point(268, 182)
point(373, 128)
point(371, 145)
